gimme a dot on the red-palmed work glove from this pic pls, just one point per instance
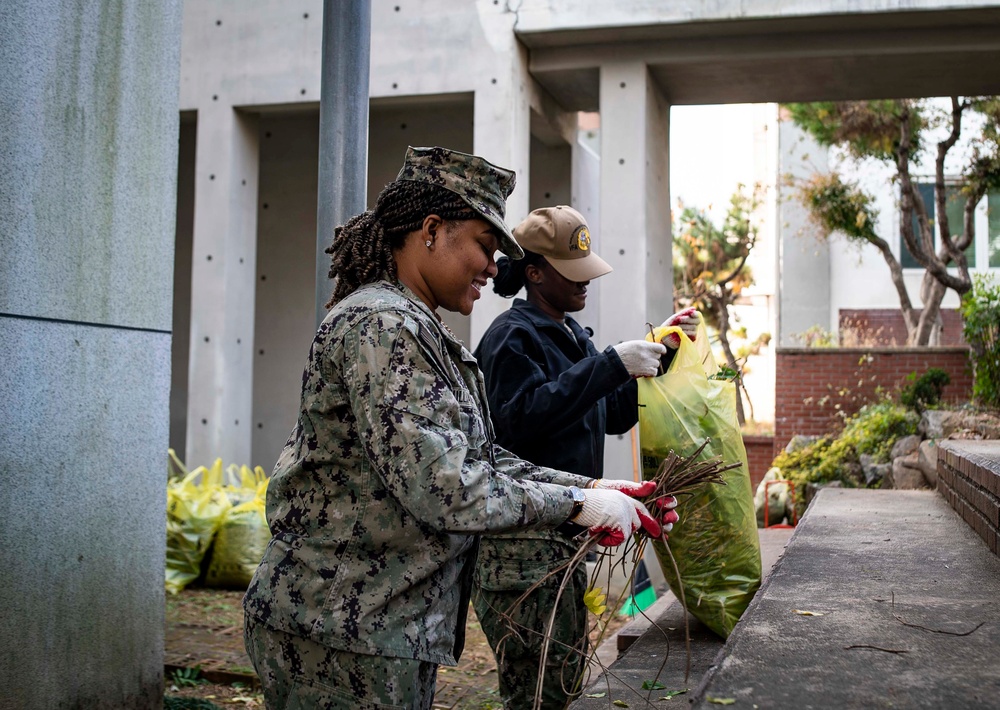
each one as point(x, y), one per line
point(666, 512)
point(612, 516)
point(640, 357)
point(665, 505)
point(686, 320)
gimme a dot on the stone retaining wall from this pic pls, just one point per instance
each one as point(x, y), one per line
point(969, 479)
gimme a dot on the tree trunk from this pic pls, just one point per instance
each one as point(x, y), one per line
point(722, 311)
point(929, 326)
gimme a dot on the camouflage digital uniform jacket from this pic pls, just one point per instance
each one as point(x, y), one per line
point(390, 475)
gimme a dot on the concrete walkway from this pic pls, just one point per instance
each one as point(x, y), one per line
point(906, 604)
point(638, 650)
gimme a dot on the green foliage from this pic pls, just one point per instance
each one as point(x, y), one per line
point(981, 329)
point(839, 206)
point(873, 431)
point(710, 267)
point(924, 392)
point(867, 129)
point(187, 677)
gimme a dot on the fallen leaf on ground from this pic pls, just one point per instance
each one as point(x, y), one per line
point(652, 685)
point(802, 612)
point(671, 693)
point(720, 701)
point(620, 703)
point(595, 695)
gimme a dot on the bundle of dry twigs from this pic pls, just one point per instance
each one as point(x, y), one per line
point(679, 476)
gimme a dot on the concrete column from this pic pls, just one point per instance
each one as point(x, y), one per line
point(88, 173)
point(634, 223)
point(586, 199)
point(223, 286)
point(803, 267)
point(502, 135)
point(635, 202)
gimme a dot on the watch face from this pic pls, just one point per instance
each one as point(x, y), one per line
point(578, 495)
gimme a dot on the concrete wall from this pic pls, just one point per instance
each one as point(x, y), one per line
point(88, 161)
point(457, 67)
point(286, 238)
point(578, 15)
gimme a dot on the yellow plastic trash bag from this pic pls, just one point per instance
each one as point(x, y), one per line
point(239, 543)
point(715, 544)
point(195, 506)
point(241, 483)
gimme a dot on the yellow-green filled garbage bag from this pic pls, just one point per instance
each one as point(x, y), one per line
point(239, 543)
point(195, 506)
point(715, 544)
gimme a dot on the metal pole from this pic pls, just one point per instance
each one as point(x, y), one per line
point(343, 128)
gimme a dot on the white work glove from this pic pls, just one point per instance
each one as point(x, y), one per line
point(665, 504)
point(640, 358)
point(612, 516)
point(687, 321)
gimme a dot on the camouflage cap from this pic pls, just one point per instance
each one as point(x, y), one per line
point(483, 185)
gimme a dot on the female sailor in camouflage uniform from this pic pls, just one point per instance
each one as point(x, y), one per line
point(553, 398)
point(390, 474)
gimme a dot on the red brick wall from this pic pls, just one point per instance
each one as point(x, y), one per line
point(814, 384)
point(885, 327)
point(760, 453)
point(969, 479)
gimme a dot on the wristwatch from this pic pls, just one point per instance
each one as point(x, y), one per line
point(579, 498)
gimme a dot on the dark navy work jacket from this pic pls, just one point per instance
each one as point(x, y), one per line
point(553, 397)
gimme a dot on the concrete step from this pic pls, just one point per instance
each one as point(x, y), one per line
point(653, 646)
point(910, 616)
point(905, 613)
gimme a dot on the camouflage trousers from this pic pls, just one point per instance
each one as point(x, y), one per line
point(298, 674)
point(516, 631)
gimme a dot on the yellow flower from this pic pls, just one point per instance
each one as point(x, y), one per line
point(594, 598)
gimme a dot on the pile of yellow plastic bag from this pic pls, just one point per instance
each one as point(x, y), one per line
point(715, 543)
point(216, 524)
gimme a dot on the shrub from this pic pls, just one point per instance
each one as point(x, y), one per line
point(981, 329)
point(924, 392)
point(873, 431)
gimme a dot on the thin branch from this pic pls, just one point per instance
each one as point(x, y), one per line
point(877, 648)
point(926, 628)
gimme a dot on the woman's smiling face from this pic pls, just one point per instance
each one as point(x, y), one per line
point(553, 292)
point(465, 263)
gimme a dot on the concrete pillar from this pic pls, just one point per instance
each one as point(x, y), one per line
point(634, 217)
point(586, 199)
point(223, 287)
point(635, 201)
point(803, 266)
point(502, 134)
point(88, 170)
point(634, 223)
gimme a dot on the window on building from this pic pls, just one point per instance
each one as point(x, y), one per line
point(956, 222)
point(926, 190)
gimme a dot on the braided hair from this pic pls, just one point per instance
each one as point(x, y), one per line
point(510, 273)
point(361, 252)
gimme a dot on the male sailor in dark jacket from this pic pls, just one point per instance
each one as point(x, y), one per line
point(553, 398)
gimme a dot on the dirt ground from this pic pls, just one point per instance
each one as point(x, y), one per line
point(205, 657)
